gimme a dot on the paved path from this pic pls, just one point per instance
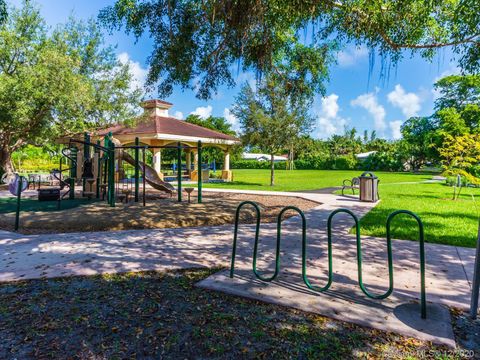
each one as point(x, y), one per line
point(449, 268)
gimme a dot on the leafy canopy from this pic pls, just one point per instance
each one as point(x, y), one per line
point(56, 82)
point(204, 43)
point(3, 11)
point(216, 123)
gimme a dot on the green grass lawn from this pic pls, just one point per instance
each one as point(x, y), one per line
point(296, 180)
point(446, 221)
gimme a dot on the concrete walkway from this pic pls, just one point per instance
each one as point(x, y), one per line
point(449, 268)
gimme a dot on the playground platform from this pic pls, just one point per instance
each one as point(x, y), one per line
point(449, 269)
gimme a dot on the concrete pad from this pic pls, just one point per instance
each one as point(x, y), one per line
point(398, 314)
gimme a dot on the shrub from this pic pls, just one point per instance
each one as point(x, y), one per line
point(382, 161)
point(345, 162)
point(254, 164)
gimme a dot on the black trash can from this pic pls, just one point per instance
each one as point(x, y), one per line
point(368, 187)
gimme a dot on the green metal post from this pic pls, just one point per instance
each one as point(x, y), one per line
point(179, 171)
point(99, 168)
point(73, 172)
point(111, 175)
point(199, 187)
point(86, 148)
point(137, 168)
point(86, 154)
point(19, 197)
point(143, 177)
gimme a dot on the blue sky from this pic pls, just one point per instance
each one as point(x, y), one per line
point(354, 98)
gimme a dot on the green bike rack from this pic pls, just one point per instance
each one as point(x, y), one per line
point(329, 249)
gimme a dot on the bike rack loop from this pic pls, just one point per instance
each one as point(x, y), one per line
point(235, 232)
point(279, 236)
point(423, 297)
point(359, 255)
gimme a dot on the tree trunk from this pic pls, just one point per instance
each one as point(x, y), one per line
point(272, 170)
point(6, 165)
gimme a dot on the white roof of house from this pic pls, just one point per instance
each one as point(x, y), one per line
point(263, 157)
point(365, 154)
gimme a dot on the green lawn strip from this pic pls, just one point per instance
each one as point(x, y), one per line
point(9, 205)
point(297, 180)
point(163, 315)
point(446, 221)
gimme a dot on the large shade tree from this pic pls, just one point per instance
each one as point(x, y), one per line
point(56, 82)
point(197, 43)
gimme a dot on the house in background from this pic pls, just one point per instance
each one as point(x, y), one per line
point(264, 157)
point(363, 156)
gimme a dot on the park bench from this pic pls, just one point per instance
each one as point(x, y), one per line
point(351, 184)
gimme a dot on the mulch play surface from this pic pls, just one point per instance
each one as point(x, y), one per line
point(164, 316)
point(159, 212)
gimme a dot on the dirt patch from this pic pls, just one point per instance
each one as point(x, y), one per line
point(159, 212)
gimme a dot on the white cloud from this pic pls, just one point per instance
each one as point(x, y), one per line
point(409, 103)
point(231, 119)
point(249, 78)
point(203, 111)
point(178, 115)
point(395, 128)
point(351, 56)
point(329, 122)
point(139, 74)
point(370, 103)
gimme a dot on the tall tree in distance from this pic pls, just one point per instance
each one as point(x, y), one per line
point(56, 82)
point(270, 119)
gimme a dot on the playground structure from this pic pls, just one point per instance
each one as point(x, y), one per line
point(100, 169)
point(96, 167)
point(423, 301)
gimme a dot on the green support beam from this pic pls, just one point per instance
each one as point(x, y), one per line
point(137, 168)
point(199, 187)
point(73, 172)
point(179, 171)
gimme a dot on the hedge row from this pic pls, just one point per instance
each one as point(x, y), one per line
point(375, 162)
